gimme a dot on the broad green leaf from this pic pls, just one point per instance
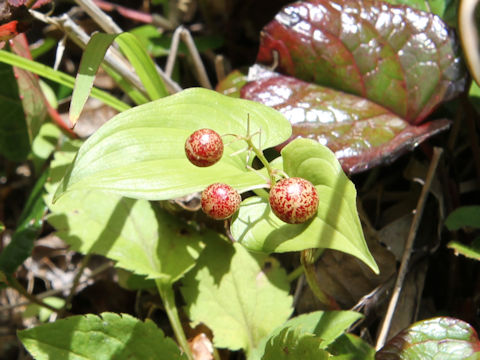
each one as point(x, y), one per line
point(293, 344)
point(90, 337)
point(465, 216)
point(93, 57)
point(58, 76)
point(138, 237)
point(240, 296)
point(326, 325)
point(401, 58)
point(27, 231)
point(351, 347)
point(336, 225)
point(472, 252)
point(361, 133)
point(62, 159)
point(437, 338)
point(140, 153)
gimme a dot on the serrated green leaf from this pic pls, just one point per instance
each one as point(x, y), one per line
point(465, 216)
point(336, 225)
point(326, 325)
point(240, 296)
point(293, 344)
point(109, 337)
point(138, 237)
point(351, 347)
point(140, 153)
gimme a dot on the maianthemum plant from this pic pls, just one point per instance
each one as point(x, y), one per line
point(112, 195)
point(106, 203)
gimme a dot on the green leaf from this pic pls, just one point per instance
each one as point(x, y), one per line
point(472, 252)
point(465, 216)
point(30, 225)
point(138, 237)
point(351, 347)
point(326, 325)
point(474, 96)
point(58, 76)
point(232, 84)
point(93, 57)
point(293, 344)
point(43, 313)
point(336, 225)
point(241, 296)
point(143, 65)
point(437, 338)
point(44, 144)
point(140, 153)
point(109, 337)
point(14, 139)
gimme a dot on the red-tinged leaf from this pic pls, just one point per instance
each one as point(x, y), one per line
point(9, 30)
point(401, 58)
point(37, 4)
point(437, 338)
point(31, 96)
point(361, 133)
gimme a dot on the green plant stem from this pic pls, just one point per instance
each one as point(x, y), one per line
point(307, 258)
point(168, 298)
point(295, 274)
point(11, 281)
point(262, 158)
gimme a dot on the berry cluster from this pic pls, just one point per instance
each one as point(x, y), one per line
point(293, 200)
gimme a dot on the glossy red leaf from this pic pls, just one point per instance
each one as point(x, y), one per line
point(401, 58)
point(361, 133)
point(438, 338)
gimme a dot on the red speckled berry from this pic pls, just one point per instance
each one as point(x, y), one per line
point(204, 147)
point(294, 200)
point(220, 201)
